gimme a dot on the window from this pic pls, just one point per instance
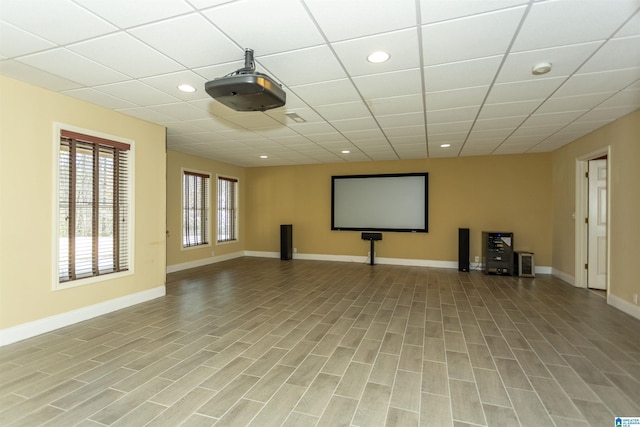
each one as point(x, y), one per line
point(195, 216)
point(93, 206)
point(227, 209)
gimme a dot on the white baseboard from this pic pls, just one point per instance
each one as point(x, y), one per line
point(543, 270)
point(563, 276)
point(380, 260)
point(48, 324)
point(623, 305)
point(204, 261)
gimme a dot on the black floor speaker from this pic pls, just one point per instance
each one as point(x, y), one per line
point(463, 249)
point(286, 241)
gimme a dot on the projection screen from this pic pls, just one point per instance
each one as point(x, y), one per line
point(383, 202)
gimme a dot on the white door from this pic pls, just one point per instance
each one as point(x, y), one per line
point(597, 258)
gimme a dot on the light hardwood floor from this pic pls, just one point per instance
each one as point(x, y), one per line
point(264, 342)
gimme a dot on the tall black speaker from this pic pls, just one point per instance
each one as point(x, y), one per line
point(286, 241)
point(463, 249)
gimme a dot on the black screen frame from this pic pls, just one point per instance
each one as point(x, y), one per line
point(391, 229)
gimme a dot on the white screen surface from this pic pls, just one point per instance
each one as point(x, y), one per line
point(395, 202)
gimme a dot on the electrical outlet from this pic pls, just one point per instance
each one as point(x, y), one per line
point(635, 299)
point(477, 258)
point(295, 250)
point(213, 253)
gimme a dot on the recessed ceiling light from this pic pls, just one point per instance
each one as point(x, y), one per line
point(445, 145)
point(541, 68)
point(345, 151)
point(264, 157)
point(378, 57)
point(187, 88)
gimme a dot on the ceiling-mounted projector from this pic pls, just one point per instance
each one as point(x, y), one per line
point(246, 89)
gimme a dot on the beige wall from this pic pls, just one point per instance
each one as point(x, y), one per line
point(493, 193)
point(176, 163)
point(27, 158)
point(623, 136)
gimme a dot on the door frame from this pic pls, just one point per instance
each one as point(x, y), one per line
point(582, 211)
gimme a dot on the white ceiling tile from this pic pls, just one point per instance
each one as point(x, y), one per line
point(220, 70)
point(357, 18)
point(499, 123)
point(442, 10)
point(396, 83)
point(565, 60)
point(456, 75)
point(591, 20)
point(362, 135)
point(182, 127)
point(35, 76)
point(181, 111)
point(298, 67)
point(254, 120)
point(399, 141)
point(99, 98)
point(199, 44)
point(615, 54)
point(546, 119)
point(401, 120)
point(327, 137)
point(473, 151)
point(373, 144)
point(355, 124)
point(329, 92)
point(397, 132)
point(457, 98)
point(214, 124)
point(396, 104)
point(606, 81)
point(72, 66)
point(169, 83)
point(308, 129)
point(557, 104)
point(535, 133)
point(453, 127)
point(631, 28)
point(277, 132)
point(246, 22)
point(146, 114)
point(509, 109)
point(606, 114)
point(307, 114)
point(455, 137)
point(452, 115)
point(625, 98)
point(16, 42)
point(531, 89)
point(348, 110)
point(479, 137)
point(137, 93)
point(59, 21)
point(472, 37)
point(402, 46)
point(127, 13)
point(125, 54)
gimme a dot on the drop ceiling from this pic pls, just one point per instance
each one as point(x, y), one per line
point(459, 73)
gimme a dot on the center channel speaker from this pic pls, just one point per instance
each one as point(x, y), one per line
point(463, 249)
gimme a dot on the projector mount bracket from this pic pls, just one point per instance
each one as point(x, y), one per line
point(249, 64)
